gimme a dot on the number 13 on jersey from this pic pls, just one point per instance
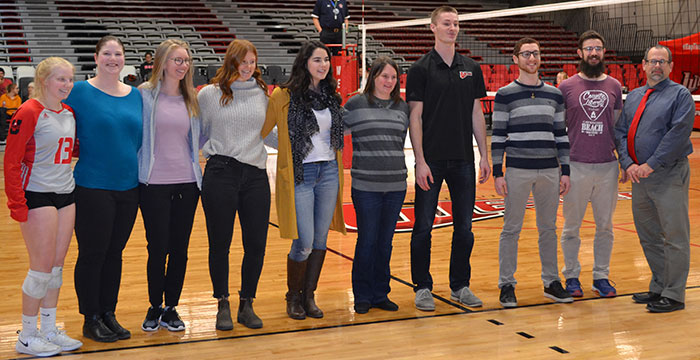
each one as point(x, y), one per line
point(65, 151)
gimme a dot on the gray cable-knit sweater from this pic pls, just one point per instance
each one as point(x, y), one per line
point(234, 130)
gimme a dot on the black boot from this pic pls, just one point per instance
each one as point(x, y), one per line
point(295, 282)
point(313, 272)
point(95, 329)
point(110, 321)
point(246, 315)
point(223, 315)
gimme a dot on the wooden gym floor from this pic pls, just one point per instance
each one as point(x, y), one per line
point(538, 329)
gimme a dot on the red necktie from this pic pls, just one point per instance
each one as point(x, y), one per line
point(635, 123)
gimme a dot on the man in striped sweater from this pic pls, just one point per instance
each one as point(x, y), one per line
point(528, 124)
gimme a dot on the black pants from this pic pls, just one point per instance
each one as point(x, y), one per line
point(328, 36)
point(103, 223)
point(168, 214)
point(230, 186)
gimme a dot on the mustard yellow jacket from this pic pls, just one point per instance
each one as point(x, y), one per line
point(277, 109)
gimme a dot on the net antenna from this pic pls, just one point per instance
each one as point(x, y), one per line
point(528, 10)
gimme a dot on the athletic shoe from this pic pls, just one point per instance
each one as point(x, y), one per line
point(152, 319)
point(35, 344)
point(557, 293)
point(424, 300)
point(573, 287)
point(466, 297)
point(507, 298)
point(60, 338)
point(603, 288)
point(171, 320)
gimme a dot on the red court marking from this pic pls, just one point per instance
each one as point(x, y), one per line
point(483, 210)
point(696, 245)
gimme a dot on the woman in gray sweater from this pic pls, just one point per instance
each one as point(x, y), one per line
point(378, 121)
point(235, 180)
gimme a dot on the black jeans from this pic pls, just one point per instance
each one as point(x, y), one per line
point(461, 181)
point(327, 36)
point(103, 223)
point(168, 214)
point(230, 186)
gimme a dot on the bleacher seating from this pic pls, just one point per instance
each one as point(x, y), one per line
point(70, 28)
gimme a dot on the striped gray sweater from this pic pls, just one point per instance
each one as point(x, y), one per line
point(378, 135)
point(528, 125)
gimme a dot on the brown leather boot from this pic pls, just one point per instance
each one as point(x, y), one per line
point(295, 282)
point(313, 272)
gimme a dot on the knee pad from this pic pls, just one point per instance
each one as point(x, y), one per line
point(56, 277)
point(36, 284)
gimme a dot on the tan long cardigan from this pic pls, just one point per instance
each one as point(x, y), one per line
point(277, 109)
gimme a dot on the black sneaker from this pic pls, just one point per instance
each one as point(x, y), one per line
point(152, 319)
point(171, 320)
point(507, 297)
point(557, 293)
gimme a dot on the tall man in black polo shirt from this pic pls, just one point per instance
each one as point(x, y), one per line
point(443, 92)
point(328, 17)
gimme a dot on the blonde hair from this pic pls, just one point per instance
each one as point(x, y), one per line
point(186, 84)
point(442, 9)
point(44, 70)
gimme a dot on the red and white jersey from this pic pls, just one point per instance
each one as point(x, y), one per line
point(38, 154)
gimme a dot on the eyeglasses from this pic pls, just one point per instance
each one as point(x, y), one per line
point(655, 62)
point(180, 61)
point(591, 48)
point(527, 54)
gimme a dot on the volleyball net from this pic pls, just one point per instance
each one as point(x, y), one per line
point(488, 35)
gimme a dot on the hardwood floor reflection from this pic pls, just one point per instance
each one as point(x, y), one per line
point(588, 328)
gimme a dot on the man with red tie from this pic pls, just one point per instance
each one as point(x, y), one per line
point(653, 136)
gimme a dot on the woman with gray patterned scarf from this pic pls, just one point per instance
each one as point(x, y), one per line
point(307, 113)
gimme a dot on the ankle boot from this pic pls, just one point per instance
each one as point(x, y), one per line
point(246, 315)
point(313, 272)
point(110, 320)
point(223, 315)
point(95, 329)
point(295, 282)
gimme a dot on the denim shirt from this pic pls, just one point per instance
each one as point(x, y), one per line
point(663, 134)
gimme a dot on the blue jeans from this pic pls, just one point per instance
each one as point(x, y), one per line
point(315, 200)
point(376, 214)
point(461, 181)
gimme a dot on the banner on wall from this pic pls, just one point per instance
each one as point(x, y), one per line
point(686, 66)
point(686, 61)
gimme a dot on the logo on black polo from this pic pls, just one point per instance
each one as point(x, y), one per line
point(464, 74)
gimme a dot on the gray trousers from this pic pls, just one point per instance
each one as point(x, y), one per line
point(544, 185)
point(660, 209)
point(596, 183)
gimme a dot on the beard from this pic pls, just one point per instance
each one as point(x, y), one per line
point(591, 71)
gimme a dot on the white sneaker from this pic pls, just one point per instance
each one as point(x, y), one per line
point(466, 297)
point(60, 338)
point(36, 345)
